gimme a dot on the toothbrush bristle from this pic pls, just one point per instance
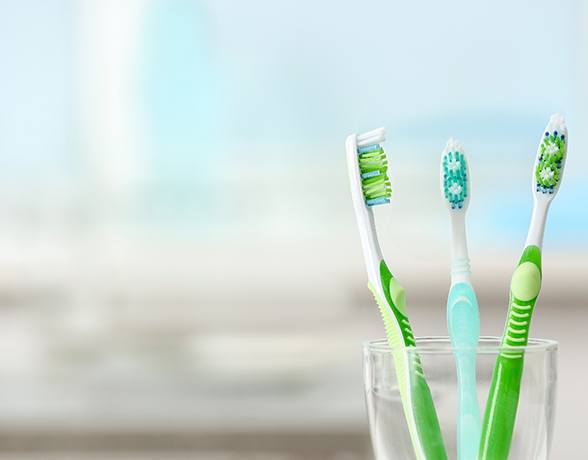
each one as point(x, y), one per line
point(373, 168)
point(455, 175)
point(551, 156)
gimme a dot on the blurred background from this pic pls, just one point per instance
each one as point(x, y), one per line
point(180, 270)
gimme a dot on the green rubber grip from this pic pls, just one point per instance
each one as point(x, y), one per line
point(426, 418)
point(503, 399)
point(417, 400)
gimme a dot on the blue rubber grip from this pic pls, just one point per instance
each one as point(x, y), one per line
point(463, 319)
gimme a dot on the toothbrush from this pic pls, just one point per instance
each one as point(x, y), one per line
point(463, 318)
point(525, 285)
point(370, 186)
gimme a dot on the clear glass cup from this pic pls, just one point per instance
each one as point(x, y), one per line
point(535, 415)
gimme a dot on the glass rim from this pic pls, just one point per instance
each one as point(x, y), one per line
point(442, 345)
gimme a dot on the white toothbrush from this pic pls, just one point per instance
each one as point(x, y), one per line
point(370, 186)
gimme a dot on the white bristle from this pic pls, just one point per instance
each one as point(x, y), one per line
point(371, 137)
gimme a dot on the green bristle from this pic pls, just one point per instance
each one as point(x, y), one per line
point(551, 155)
point(376, 187)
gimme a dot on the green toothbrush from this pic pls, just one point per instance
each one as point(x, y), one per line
point(370, 186)
point(501, 407)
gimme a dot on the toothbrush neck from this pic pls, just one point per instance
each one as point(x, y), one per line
point(369, 240)
point(537, 226)
point(459, 248)
point(460, 263)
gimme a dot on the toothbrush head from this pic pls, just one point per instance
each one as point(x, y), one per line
point(551, 158)
point(373, 168)
point(455, 177)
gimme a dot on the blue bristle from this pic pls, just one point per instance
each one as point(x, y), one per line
point(376, 201)
point(370, 174)
point(368, 148)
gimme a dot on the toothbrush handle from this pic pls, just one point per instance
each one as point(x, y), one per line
point(425, 414)
point(501, 409)
point(469, 426)
point(463, 321)
point(503, 399)
point(417, 399)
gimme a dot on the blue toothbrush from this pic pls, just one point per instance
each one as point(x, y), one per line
point(463, 318)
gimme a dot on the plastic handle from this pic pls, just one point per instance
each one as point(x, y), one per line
point(503, 399)
point(463, 321)
point(426, 416)
point(417, 399)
